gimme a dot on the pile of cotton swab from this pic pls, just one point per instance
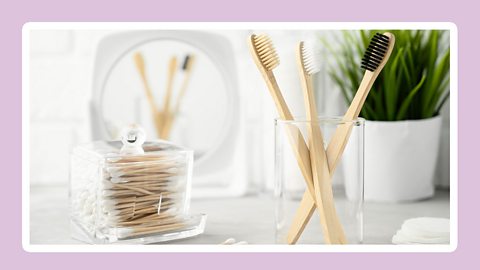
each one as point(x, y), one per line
point(143, 195)
point(138, 195)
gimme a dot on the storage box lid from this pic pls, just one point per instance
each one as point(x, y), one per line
point(132, 148)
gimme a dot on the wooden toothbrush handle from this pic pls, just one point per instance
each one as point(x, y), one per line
point(307, 205)
point(331, 226)
point(361, 95)
point(295, 137)
point(334, 152)
point(323, 193)
point(165, 114)
point(170, 119)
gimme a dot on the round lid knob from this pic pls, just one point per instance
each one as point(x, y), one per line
point(133, 137)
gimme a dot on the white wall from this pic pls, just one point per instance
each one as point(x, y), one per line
point(60, 73)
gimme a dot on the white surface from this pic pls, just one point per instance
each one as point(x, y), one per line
point(245, 219)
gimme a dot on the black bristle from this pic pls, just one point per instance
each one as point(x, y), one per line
point(185, 62)
point(380, 41)
point(375, 52)
point(382, 37)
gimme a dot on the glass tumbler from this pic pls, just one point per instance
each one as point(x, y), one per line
point(346, 180)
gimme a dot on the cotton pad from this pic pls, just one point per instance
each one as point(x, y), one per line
point(423, 230)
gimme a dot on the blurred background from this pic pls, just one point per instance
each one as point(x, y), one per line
point(61, 66)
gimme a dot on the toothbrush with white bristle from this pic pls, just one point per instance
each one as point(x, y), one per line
point(375, 58)
point(308, 64)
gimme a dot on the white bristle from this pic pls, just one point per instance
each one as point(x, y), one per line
point(311, 56)
point(266, 51)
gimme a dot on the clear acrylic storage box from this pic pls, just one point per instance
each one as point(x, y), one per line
point(132, 191)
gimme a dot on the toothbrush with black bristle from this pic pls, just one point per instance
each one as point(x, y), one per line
point(186, 68)
point(374, 59)
point(187, 65)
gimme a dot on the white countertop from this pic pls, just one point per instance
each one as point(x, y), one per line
point(249, 218)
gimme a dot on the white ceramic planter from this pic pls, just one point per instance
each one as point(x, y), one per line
point(400, 159)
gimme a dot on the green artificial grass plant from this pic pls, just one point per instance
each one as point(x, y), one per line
point(414, 84)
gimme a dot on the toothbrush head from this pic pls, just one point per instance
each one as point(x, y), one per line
point(262, 47)
point(378, 51)
point(139, 62)
point(311, 57)
point(185, 62)
point(188, 62)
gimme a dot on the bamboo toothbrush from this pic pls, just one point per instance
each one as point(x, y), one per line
point(187, 71)
point(375, 58)
point(266, 59)
point(172, 68)
point(140, 64)
point(308, 65)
